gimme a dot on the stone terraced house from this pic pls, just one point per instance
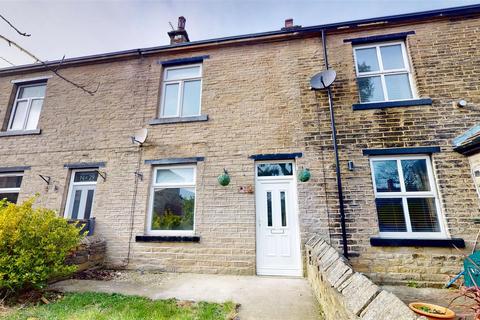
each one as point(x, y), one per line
point(406, 93)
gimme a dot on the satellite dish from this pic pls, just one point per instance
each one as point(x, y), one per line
point(140, 136)
point(323, 80)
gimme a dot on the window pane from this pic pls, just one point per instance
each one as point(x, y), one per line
point(386, 175)
point(367, 60)
point(415, 175)
point(11, 197)
point(269, 209)
point(392, 57)
point(370, 89)
point(176, 74)
point(34, 114)
point(390, 215)
point(86, 176)
point(173, 209)
point(19, 115)
point(191, 98)
point(10, 181)
point(275, 169)
point(283, 208)
point(398, 87)
point(37, 91)
point(423, 215)
point(180, 175)
point(170, 101)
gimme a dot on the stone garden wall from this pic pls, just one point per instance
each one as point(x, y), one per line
point(345, 294)
point(89, 254)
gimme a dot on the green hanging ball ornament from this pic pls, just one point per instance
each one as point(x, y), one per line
point(304, 175)
point(224, 178)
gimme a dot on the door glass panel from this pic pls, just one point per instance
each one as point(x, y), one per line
point(367, 60)
point(32, 91)
point(10, 181)
point(386, 176)
point(275, 169)
point(170, 102)
point(34, 114)
point(423, 215)
point(392, 57)
point(76, 204)
point(11, 197)
point(86, 176)
point(19, 116)
point(390, 215)
point(283, 208)
point(88, 205)
point(173, 209)
point(415, 175)
point(191, 98)
point(398, 87)
point(269, 209)
point(370, 89)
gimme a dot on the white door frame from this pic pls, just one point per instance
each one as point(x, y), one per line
point(292, 220)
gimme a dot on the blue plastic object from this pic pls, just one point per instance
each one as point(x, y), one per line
point(472, 272)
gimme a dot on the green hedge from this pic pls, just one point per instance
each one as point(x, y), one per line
point(34, 243)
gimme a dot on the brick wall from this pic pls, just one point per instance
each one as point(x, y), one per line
point(444, 67)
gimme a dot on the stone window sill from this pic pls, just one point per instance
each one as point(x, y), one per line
point(203, 117)
point(390, 242)
point(146, 238)
point(13, 133)
point(392, 104)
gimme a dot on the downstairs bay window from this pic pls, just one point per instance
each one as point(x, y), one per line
point(406, 198)
point(172, 201)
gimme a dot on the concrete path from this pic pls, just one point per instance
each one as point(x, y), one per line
point(260, 297)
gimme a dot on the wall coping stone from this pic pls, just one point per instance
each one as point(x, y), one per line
point(354, 296)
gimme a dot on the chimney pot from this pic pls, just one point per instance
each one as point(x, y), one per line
point(288, 23)
point(181, 23)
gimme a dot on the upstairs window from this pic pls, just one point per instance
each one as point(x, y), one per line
point(181, 94)
point(405, 197)
point(27, 107)
point(10, 186)
point(383, 72)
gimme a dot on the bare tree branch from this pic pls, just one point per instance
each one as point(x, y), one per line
point(2, 58)
point(14, 28)
point(54, 70)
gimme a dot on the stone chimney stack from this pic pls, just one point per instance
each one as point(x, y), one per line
point(289, 25)
point(179, 35)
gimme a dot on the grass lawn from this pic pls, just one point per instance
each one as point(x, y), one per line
point(100, 306)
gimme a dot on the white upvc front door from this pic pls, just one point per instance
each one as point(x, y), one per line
point(278, 239)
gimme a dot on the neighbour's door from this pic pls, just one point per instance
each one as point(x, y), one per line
point(278, 239)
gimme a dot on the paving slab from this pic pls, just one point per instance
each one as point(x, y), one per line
point(450, 298)
point(260, 297)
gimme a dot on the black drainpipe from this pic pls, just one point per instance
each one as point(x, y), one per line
point(335, 148)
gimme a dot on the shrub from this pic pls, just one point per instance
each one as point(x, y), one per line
point(34, 243)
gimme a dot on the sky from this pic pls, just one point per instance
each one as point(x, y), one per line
point(78, 28)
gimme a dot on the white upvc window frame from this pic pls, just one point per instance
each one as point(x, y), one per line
point(11, 174)
point(403, 194)
point(155, 186)
point(382, 73)
point(70, 196)
point(29, 106)
point(181, 84)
